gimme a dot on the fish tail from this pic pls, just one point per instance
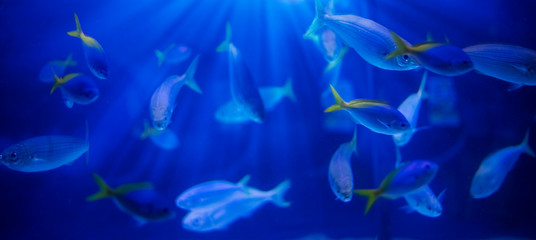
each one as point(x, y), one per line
point(189, 76)
point(161, 57)
point(339, 102)
point(353, 143)
point(78, 32)
point(278, 192)
point(421, 92)
point(244, 181)
point(336, 62)
point(224, 46)
point(57, 81)
point(289, 91)
point(401, 47)
point(69, 61)
point(60, 81)
point(146, 130)
point(104, 190)
point(371, 194)
point(525, 144)
point(318, 21)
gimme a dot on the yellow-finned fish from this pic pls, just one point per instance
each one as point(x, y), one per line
point(407, 178)
point(377, 116)
point(96, 58)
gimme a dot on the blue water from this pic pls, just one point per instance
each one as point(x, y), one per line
point(471, 116)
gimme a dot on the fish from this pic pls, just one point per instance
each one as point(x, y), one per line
point(43, 153)
point(96, 58)
point(173, 54)
point(405, 179)
point(238, 205)
point(377, 116)
point(139, 200)
point(443, 59)
point(341, 178)
point(243, 89)
point(209, 193)
point(79, 89)
point(514, 64)
point(165, 139)
point(425, 202)
point(271, 96)
point(163, 99)
point(410, 109)
point(47, 72)
point(495, 167)
point(372, 41)
point(231, 113)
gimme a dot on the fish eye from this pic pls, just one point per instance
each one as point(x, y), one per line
point(403, 125)
point(13, 156)
point(405, 57)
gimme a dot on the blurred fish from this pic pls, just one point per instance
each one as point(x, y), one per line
point(243, 89)
point(407, 178)
point(231, 112)
point(173, 54)
point(76, 88)
point(209, 193)
point(136, 199)
point(509, 63)
point(341, 178)
point(444, 59)
point(165, 139)
point(240, 204)
point(271, 96)
point(369, 39)
point(376, 115)
point(163, 99)
point(410, 109)
point(96, 59)
point(43, 153)
point(55, 68)
point(424, 202)
point(493, 170)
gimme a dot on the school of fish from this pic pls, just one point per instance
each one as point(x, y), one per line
point(215, 205)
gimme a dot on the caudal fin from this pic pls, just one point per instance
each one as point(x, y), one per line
point(333, 64)
point(104, 190)
point(339, 102)
point(353, 143)
point(401, 47)
point(526, 146)
point(371, 194)
point(60, 81)
point(244, 181)
point(160, 56)
point(189, 76)
point(318, 21)
point(289, 91)
point(278, 192)
point(224, 46)
point(78, 32)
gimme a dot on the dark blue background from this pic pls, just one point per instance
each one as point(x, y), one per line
point(292, 143)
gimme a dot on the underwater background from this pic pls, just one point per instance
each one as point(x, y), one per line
point(470, 116)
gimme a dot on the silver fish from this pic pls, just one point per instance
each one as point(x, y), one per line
point(164, 97)
point(43, 153)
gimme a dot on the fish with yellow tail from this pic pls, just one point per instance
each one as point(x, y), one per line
point(96, 58)
point(377, 116)
point(55, 68)
point(443, 59)
point(139, 200)
point(407, 178)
